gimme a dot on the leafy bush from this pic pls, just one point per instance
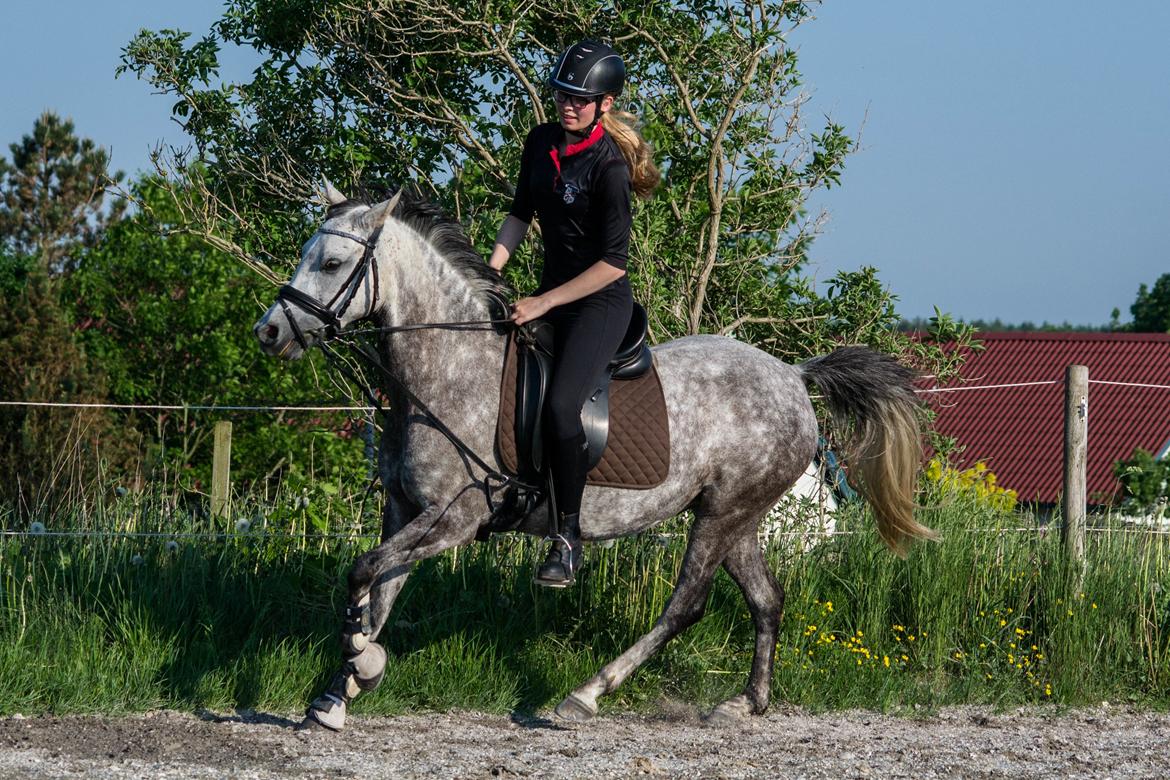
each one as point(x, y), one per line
point(1145, 483)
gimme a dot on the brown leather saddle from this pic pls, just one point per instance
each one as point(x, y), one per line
point(625, 421)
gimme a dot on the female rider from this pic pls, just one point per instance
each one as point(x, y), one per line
point(576, 175)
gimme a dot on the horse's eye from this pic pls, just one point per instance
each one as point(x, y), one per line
point(330, 265)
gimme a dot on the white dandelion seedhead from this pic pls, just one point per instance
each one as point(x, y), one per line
point(137, 560)
point(172, 546)
point(120, 491)
point(243, 525)
point(36, 528)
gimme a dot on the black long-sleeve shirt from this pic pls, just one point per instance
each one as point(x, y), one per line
point(582, 196)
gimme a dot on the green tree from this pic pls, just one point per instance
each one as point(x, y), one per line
point(52, 197)
point(445, 94)
point(1151, 309)
point(51, 456)
point(168, 318)
point(53, 194)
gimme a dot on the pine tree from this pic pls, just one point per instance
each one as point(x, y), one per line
point(53, 194)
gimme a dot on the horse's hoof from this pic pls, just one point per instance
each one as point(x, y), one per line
point(311, 725)
point(729, 712)
point(574, 710)
point(327, 712)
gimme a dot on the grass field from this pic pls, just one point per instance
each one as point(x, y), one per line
point(249, 617)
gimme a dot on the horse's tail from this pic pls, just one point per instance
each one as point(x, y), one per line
point(872, 400)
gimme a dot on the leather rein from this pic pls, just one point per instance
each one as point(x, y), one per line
point(330, 314)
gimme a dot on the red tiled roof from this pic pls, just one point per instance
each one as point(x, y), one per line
point(1019, 432)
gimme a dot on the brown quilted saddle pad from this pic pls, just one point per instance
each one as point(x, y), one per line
point(637, 452)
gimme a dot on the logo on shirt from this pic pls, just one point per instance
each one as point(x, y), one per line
point(570, 193)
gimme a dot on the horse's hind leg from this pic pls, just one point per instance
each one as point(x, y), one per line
point(686, 605)
point(765, 598)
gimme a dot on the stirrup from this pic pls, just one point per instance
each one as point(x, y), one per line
point(556, 571)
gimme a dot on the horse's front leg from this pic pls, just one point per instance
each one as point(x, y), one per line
point(375, 581)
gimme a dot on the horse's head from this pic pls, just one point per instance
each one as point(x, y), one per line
point(336, 282)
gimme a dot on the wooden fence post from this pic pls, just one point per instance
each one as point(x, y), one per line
point(221, 466)
point(1076, 440)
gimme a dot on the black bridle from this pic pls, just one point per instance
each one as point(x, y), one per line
point(330, 314)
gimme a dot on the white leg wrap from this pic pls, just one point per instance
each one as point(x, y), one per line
point(354, 642)
point(369, 666)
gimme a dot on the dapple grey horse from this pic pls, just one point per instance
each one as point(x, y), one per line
point(742, 429)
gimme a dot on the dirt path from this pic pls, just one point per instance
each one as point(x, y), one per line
point(957, 742)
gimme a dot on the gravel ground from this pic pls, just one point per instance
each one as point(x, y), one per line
point(1107, 742)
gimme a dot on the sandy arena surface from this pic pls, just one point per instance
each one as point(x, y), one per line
point(1107, 742)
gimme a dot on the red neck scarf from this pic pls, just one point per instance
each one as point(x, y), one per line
point(580, 146)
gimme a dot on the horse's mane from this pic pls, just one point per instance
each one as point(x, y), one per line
point(445, 234)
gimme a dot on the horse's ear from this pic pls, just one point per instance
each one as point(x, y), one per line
point(332, 195)
point(394, 202)
point(377, 215)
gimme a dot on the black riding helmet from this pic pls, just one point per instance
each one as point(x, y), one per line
point(588, 69)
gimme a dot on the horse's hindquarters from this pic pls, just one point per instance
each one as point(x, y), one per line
point(742, 430)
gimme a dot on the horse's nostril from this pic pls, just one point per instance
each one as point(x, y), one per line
point(269, 333)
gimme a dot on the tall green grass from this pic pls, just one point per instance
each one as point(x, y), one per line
point(249, 619)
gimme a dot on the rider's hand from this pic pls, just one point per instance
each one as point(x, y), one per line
point(527, 309)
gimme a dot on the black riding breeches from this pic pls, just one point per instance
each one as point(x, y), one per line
point(588, 333)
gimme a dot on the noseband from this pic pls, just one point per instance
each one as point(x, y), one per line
point(330, 313)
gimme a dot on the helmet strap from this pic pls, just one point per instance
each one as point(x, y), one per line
point(597, 114)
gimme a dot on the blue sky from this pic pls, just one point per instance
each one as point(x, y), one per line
point(1014, 161)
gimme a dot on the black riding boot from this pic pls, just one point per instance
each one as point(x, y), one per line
point(565, 556)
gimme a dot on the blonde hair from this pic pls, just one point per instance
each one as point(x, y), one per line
point(622, 126)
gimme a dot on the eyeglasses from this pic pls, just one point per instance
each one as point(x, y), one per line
point(576, 101)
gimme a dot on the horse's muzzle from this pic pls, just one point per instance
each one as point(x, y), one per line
point(276, 338)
